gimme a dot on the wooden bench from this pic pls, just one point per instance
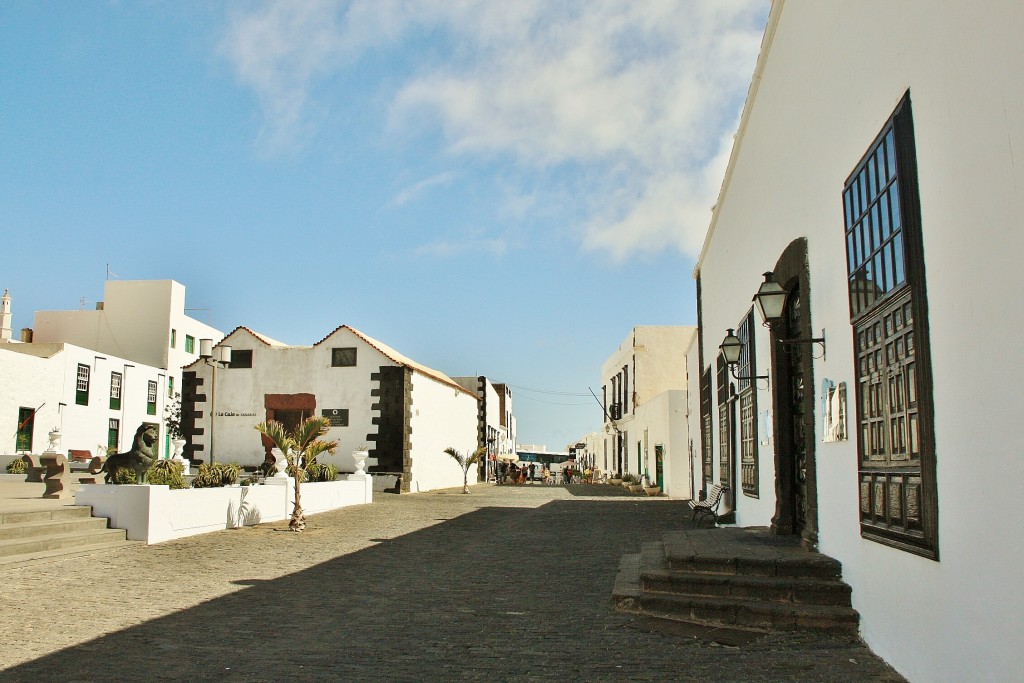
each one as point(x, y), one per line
point(709, 506)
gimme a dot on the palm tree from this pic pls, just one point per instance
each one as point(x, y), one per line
point(300, 448)
point(465, 462)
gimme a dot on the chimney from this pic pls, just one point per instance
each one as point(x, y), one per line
point(99, 305)
point(26, 335)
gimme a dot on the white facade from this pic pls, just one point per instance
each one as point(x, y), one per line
point(938, 585)
point(142, 320)
point(42, 381)
point(406, 413)
point(496, 424)
point(643, 387)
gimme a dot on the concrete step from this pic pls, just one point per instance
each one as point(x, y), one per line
point(56, 513)
point(76, 539)
point(28, 559)
point(750, 614)
point(732, 552)
point(800, 590)
point(50, 527)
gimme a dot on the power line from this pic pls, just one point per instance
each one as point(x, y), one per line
point(552, 403)
point(546, 391)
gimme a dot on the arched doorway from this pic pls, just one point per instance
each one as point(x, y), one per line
point(794, 404)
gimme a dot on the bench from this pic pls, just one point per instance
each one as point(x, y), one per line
point(709, 506)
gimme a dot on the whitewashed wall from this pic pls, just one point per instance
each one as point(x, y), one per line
point(833, 75)
point(442, 416)
point(662, 420)
point(288, 370)
point(46, 374)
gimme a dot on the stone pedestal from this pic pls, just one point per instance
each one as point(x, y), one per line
point(57, 475)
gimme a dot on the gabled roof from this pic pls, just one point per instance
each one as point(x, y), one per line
point(259, 337)
point(395, 356)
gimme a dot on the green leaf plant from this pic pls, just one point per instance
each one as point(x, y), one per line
point(465, 462)
point(300, 447)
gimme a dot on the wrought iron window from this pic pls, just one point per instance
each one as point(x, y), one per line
point(725, 438)
point(707, 442)
point(749, 473)
point(898, 501)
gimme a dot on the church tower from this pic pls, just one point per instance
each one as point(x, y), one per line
point(5, 317)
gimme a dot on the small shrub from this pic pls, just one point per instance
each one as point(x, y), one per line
point(252, 480)
point(215, 475)
point(291, 473)
point(321, 472)
point(124, 475)
point(167, 472)
point(17, 467)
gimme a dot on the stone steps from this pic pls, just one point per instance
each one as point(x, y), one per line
point(736, 578)
point(43, 534)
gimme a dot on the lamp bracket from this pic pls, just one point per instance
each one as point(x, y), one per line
point(812, 340)
point(732, 371)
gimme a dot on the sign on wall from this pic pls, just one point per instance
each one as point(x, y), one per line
point(338, 417)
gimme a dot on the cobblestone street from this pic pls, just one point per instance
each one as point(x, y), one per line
point(504, 584)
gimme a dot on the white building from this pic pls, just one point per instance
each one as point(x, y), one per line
point(874, 176)
point(643, 393)
point(97, 401)
point(496, 424)
point(407, 413)
point(142, 320)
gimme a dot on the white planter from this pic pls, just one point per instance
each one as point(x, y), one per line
point(155, 513)
point(54, 437)
point(280, 462)
point(178, 445)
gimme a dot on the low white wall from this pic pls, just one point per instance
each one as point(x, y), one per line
point(154, 513)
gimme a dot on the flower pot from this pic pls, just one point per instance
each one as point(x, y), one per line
point(360, 456)
point(652, 490)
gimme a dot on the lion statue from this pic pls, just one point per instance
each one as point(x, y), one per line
point(140, 458)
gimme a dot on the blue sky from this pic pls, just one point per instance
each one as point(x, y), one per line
point(499, 188)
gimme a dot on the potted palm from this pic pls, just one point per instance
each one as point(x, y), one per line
point(302, 445)
point(465, 462)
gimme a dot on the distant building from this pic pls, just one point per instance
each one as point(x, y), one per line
point(643, 395)
point(496, 424)
point(97, 401)
point(405, 412)
point(141, 320)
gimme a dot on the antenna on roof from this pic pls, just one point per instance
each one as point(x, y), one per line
point(111, 273)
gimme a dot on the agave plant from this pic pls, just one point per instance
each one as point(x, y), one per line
point(465, 462)
point(303, 445)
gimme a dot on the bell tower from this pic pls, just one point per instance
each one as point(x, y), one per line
point(5, 317)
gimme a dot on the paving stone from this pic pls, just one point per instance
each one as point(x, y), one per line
point(504, 584)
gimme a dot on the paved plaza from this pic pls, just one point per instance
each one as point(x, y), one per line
point(504, 584)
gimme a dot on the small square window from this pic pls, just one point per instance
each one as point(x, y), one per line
point(241, 358)
point(343, 358)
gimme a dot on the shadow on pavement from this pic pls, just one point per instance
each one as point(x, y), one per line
point(500, 594)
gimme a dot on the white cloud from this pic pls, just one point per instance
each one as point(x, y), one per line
point(643, 94)
point(416, 189)
point(449, 248)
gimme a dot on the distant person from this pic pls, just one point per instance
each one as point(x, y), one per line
point(533, 469)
